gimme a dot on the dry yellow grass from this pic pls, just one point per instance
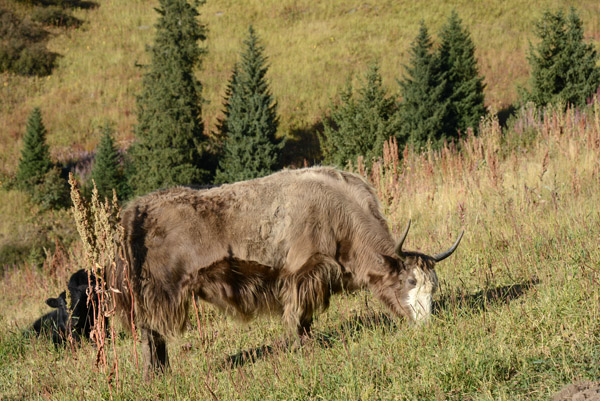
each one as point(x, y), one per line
point(313, 47)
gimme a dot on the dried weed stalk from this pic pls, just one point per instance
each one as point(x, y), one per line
point(101, 234)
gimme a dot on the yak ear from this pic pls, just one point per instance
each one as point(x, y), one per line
point(55, 303)
point(394, 262)
point(58, 302)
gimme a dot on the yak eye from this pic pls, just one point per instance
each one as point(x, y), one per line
point(412, 281)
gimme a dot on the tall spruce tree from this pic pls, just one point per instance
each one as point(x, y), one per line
point(251, 148)
point(563, 67)
point(35, 160)
point(360, 125)
point(464, 88)
point(424, 109)
point(107, 171)
point(170, 142)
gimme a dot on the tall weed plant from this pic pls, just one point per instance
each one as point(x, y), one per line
point(98, 224)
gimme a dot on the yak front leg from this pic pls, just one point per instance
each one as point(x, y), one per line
point(154, 350)
point(308, 290)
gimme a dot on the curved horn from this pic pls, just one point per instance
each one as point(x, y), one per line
point(399, 246)
point(441, 256)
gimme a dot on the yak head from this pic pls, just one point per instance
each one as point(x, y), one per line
point(417, 281)
point(56, 322)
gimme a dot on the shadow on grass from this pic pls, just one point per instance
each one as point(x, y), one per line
point(482, 299)
point(347, 329)
point(373, 320)
point(302, 144)
point(248, 356)
point(86, 5)
point(505, 114)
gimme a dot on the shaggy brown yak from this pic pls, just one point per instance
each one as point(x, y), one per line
point(281, 244)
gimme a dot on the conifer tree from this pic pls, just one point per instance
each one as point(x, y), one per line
point(35, 160)
point(170, 142)
point(36, 173)
point(360, 125)
point(250, 148)
point(424, 109)
point(222, 130)
point(464, 89)
point(563, 67)
point(107, 172)
point(53, 190)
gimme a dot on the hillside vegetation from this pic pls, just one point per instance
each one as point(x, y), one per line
point(516, 318)
point(518, 312)
point(312, 47)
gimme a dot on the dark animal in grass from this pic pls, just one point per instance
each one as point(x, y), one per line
point(77, 320)
point(54, 323)
point(84, 302)
point(280, 244)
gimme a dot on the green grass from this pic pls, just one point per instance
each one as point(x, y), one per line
point(313, 47)
point(517, 316)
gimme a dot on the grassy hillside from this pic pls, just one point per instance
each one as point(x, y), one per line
point(313, 47)
point(517, 316)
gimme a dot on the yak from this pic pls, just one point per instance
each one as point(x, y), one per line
point(282, 244)
point(54, 323)
point(76, 320)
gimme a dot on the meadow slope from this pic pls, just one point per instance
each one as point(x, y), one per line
point(313, 48)
point(517, 316)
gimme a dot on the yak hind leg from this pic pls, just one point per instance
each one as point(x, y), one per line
point(308, 290)
point(154, 350)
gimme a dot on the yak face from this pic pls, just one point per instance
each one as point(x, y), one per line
point(420, 285)
point(419, 280)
